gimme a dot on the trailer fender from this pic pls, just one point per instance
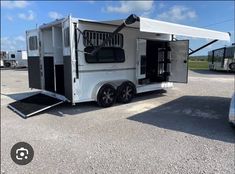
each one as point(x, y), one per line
point(114, 83)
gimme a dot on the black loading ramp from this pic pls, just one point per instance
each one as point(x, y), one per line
point(34, 104)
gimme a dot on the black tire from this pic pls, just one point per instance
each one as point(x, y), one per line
point(126, 92)
point(7, 64)
point(106, 96)
point(232, 125)
point(232, 66)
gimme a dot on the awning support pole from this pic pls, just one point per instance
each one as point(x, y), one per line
point(192, 52)
point(130, 20)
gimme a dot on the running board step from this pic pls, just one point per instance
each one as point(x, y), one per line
point(34, 104)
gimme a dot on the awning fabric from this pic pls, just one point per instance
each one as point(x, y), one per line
point(155, 26)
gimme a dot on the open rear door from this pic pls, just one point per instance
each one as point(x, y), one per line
point(68, 57)
point(34, 63)
point(179, 61)
point(34, 104)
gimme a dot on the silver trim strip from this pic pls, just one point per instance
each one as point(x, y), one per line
point(17, 111)
point(100, 70)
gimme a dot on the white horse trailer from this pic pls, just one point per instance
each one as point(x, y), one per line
point(16, 59)
point(222, 58)
point(79, 60)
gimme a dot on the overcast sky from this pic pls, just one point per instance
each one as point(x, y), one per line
point(19, 16)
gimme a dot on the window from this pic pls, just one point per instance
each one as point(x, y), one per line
point(229, 52)
point(105, 55)
point(210, 56)
point(66, 37)
point(33, 43)
point(95, 38)
point(218, 55)
point(13, 56)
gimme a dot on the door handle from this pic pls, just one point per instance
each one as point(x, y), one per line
point(185, 61)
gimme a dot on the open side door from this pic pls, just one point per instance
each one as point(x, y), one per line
point(34, 62)
point(179, 61)
point(68, 57)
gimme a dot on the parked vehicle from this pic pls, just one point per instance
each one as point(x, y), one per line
point(222, 58)
point(15, 59)
point(3, 55)
point(79, 60)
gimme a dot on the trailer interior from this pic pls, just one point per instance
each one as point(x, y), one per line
point(53, 58)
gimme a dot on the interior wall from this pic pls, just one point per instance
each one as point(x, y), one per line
point(57, 45)
point(47, 42)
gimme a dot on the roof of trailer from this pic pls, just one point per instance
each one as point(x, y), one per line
point(156, 26)
point(53, 23)
point(59, 22)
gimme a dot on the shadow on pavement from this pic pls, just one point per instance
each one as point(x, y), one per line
point(68, 109)
point(21, 69)
point(15, 69)
point(203, 116)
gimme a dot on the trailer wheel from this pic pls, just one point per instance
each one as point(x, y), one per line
point(7, 64)
point(232, 66)
point(106, 96)
point(126, 92)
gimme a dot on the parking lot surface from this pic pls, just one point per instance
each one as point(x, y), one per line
point(183, 130)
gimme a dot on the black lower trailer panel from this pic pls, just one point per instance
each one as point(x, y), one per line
point(34, 104)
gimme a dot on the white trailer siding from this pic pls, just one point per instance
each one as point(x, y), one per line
point(92, 74)
point(82, 80)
